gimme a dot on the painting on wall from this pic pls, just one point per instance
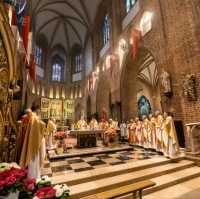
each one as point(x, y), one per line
point(56, 109)
point(68, 109)
point(45, 107)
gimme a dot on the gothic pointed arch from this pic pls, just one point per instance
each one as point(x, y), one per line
point(139, 78)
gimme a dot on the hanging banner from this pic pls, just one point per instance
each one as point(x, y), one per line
point(135, 38)
point(32, 68)
point(25, 31)
point(20, 8)
point(29, 47)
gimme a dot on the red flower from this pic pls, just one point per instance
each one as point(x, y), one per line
point(30, 184)
point(10, 180)
point(60, 135)
point(4, 174)
point(18, 173)
point(1, 185)
point(46, 192)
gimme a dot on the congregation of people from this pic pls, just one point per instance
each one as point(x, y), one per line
point(155, 131)
point(152, 132)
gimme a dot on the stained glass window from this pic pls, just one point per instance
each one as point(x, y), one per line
point(129, 4)
point(38, 56)
point(77, 63)
point(106, 30)
point(56, 72)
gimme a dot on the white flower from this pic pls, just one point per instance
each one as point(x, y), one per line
point(35, 197)
point(4, 166)
point(61, 189)
point(43, 180)
point(65, 188)
point(59, 193)
point(38, 180)
point(15, 165)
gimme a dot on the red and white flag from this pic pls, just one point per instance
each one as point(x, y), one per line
point(25, 31)
point(135, 38)
point(32, 68)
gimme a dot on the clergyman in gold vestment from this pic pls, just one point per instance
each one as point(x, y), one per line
point(33, 151)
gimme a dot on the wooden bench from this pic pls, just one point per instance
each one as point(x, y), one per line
point(135, 189)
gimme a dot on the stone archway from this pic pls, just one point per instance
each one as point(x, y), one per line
point(103, 97)
point(139, 78)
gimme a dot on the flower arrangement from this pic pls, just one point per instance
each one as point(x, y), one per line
point(43, 189)
point(14, 179)
point(11, 178)
point(60, 135)
point(111, 132)
point(47, 191)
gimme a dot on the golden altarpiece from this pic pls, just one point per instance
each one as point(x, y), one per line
point(8, 83)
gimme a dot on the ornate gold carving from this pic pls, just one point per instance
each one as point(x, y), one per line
point(3, 58)
point(8, 133)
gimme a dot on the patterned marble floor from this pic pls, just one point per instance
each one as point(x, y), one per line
point(74, 151)
point(91, 162)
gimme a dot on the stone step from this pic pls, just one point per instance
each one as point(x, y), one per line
point(174, 178)
point(86, 152)
point(109, 171)
point(189, 189)
point(92, 187)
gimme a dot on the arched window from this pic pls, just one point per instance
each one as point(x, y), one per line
point(106, 30)
point(76, 59)
point(129, 4)
point(77, 63)
point(56, 72)
point(38, 56)
point(58, 69)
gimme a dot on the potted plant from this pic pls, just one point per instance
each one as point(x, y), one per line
point(60, 137)
point(112, 137)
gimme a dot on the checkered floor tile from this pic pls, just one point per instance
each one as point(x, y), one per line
point(85, 163)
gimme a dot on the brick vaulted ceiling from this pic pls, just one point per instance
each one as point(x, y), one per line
point(63, 22)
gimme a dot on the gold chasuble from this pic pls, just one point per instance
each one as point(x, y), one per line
point(170, 129)
point(33, 139)
point(51, 127)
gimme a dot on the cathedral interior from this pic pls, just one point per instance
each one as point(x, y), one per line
point(99, 99)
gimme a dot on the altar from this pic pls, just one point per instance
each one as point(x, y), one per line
point(86, 138)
